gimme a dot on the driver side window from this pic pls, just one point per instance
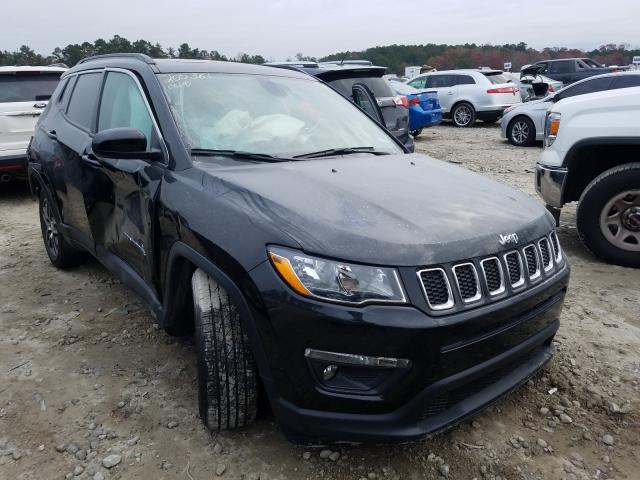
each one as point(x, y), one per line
point(122, 105)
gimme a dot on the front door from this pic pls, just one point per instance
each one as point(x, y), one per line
point(122, 208)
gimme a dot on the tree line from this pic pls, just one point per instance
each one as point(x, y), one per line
point(395, 57)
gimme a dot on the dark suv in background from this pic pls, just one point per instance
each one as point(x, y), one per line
point(344, 76)
point(375, 294)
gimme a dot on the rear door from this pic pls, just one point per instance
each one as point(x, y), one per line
point(444, 85)
point(72, 132)
point(562, 70)
point(23, 97)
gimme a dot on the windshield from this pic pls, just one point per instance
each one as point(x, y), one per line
point(271, 115)
point(27, 87)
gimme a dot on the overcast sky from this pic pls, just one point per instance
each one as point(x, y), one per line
point(278, 29)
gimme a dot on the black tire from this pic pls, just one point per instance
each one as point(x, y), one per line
point(521, 132)
point(611, 192)
point(227, 380)
point(416, 132)
point(463, 115)
point(61, 253)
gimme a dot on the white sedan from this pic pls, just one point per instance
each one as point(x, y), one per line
point(522, 124)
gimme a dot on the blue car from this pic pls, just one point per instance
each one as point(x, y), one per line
point(424, 107)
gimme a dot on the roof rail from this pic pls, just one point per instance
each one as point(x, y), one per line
point(138, 56)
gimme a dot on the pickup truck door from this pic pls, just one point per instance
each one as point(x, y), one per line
point(121, 207)
point(563, 70)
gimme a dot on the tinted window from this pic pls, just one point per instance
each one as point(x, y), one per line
point(27, 87)
point(463, 80)
point(377, 85)
point(440, 81)
point(82, 106)
point(589, 86)
point(543, 67)
point(561, 67)
point(626, 81)
point(418, 82)
point(122, 105)
point(363, 99)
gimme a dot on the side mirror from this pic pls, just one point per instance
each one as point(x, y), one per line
point(122, 144)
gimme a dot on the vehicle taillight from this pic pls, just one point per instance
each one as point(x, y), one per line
point(414, 101)
point(401, 101)
point(512, 90)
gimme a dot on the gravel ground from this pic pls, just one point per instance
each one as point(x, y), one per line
point(90, 388)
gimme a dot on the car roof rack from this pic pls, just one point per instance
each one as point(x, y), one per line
point(137, 56)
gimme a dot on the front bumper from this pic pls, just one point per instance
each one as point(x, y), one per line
point(459, 363)
point(13, 164)
point(550, 184)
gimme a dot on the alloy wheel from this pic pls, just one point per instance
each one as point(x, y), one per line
point(620, 220)
point(520, 132)
point(463, 115)
point(51, 229)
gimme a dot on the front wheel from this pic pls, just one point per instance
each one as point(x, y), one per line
point(463, 115)
point(227, 380)
point(521, 132)
point(608, 215)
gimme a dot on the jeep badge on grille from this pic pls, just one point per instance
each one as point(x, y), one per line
point(505, 240)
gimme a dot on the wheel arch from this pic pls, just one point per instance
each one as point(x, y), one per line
point(591, 157)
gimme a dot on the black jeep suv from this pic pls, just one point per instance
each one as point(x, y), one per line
point(375, 294)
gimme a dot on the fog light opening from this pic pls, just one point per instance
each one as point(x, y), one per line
point(329, 372)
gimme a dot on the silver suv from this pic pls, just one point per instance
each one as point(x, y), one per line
point(467, 95)
point(24, 93)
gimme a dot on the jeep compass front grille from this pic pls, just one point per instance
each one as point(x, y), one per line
point(459, 284)
point(436, 288)
point(467, 281)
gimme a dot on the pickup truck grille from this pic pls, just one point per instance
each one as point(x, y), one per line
point(478, 281)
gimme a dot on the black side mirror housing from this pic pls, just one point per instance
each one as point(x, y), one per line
point(122, 144)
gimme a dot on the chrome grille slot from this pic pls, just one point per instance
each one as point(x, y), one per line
point(467, 281)
point(514, 268)
point(492, 271)
point(531, 257)
point(556, 247)
point(547, 263)
point(436, 288)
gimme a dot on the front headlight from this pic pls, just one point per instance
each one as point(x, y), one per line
point(336, 281)
point(551, 127)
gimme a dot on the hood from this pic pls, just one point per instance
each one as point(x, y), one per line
point(400, 210)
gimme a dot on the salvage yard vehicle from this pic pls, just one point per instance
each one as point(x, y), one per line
point(424, 107)
point(566, 70)
point(24, 92)
point(592, 156)
point(357, 80)
point(523, 124)
point(467, 95)
point(376, 295)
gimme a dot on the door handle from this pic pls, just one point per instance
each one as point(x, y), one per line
point(51, 134)
point(449, 93)
point(90, 160)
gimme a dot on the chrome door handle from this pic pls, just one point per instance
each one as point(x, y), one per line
point(51, 134)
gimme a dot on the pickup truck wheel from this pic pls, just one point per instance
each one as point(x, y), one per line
point(463, 115)
point(227, 383)
point(61, 253)
point(609, 215)
point(521, 132)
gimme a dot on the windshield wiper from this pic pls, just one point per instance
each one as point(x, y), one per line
point(341, 151)
point(259, 157)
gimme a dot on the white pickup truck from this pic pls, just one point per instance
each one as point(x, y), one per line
point(592, 155)
point(24, 93)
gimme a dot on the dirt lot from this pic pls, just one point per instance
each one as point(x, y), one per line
point(86, 376)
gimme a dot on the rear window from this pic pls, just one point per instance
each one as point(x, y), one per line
point(403, 88)
point(377, 85)
point(496, 78)
point(27, 87)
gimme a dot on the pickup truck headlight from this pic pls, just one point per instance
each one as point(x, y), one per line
point(551, 127)
point(336, 281)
